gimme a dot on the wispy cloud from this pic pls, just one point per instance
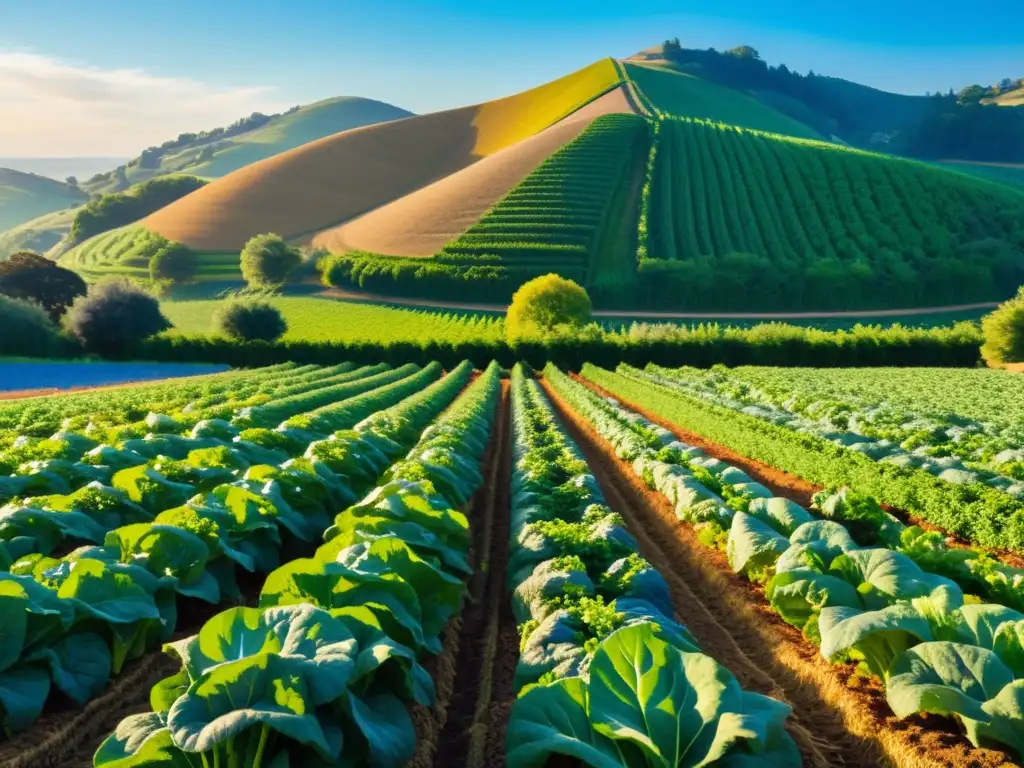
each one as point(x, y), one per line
point(56, 108)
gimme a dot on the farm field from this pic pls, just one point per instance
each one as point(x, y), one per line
point(453, 569)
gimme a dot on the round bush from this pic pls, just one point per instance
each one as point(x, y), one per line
point(250, 321)
point(174, 262)
point(115, 317)
point(545, 304)
point(267, 260)
point(1004, 332)
point(27, 275)
point(26, 329)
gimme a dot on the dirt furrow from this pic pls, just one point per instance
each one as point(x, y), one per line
point(839, 717)
point(472, 735)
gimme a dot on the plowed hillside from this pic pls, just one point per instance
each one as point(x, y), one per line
point(420, 224)
point(335, 179)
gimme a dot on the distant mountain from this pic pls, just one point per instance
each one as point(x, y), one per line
point(216, 153)
point(60, 168)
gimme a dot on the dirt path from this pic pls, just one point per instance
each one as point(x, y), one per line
point(839, 718)
point(340, 293)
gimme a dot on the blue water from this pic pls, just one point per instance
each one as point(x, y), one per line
point(15, 376)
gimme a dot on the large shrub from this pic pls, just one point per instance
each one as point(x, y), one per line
point(250, 321)
point(546, 304)
point(115, 317)
point(26, 329)
point(27, 275)
point(1004, 332)
point(267, 260)
point(174, 262)
point(121, 208)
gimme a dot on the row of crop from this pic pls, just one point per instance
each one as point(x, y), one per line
point(950, 446)
point(71, 459)
point(186, 521)
point(852, 578)
point(818, 226)
point(976, 513)
point(320, 673)
point(599, 647)
point(45, 415)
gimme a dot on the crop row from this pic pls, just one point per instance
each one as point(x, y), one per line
point(851, 577)
point(976, 513)
point(605, 674)
point(951, 446)
point(321, 672)
point(181, 516)
point(824, 225)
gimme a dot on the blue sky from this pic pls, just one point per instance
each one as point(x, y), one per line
point(172, 66)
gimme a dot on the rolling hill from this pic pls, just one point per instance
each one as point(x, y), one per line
point(651, 181)
point(41, 234)
point(213, 156)
point(26, 196)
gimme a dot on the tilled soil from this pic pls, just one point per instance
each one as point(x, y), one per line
point(839, 717)
point(474, 734)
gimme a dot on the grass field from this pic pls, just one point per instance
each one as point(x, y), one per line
point(683, 95)
point(313, 319)
point(40, 234)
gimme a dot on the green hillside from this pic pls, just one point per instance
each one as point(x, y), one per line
point(1012, 175)
point(679, 94)
point(212, 155)
point(40, 234)
point(25, 196)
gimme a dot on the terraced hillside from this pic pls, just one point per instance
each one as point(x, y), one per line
point(742, 219)
point(571, 215)
point(25, 196)
point(298, 193)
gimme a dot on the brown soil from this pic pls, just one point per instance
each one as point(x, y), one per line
point(421, 223)
point(790, 486)
point(335, 179)
point(839, 717)
point(434, 740)
point(474, 733)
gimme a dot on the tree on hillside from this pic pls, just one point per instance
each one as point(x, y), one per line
point(174, 262)
point(1004, 332)
point(672, 48)
point(27, 275)
point(267, 260)
point(546, 304)
point(745, 52)
point(115, 317)
point(122, 208)
point(972, 94)
point(71, 181)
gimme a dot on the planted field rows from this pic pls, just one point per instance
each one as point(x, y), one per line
point(401, 566)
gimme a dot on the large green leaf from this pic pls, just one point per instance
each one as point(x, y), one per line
point(753, 545)
point(79, 665)
point(883, 577)
point(140, 740)
point(385, 725)
point(946, 679)
point(23, 692)
point(799, 595)
point(99, 592)
point(168, 550)
point(553, 719)
point(1009, 646)
point(978, 624)
point(879, 636)
point(147, 487)
point(1006, 726)
point(230, 698)
point(14, 605)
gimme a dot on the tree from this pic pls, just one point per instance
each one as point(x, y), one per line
point(1004, 332)
point(115, 317)
point(267, 261)
point(545, 304)
point(175, 262)
point(122, 208)
point(745, 52)
point(972, 94)
point(27, 275)
point(27, 329)
point(250, 321)
point(71, 181)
